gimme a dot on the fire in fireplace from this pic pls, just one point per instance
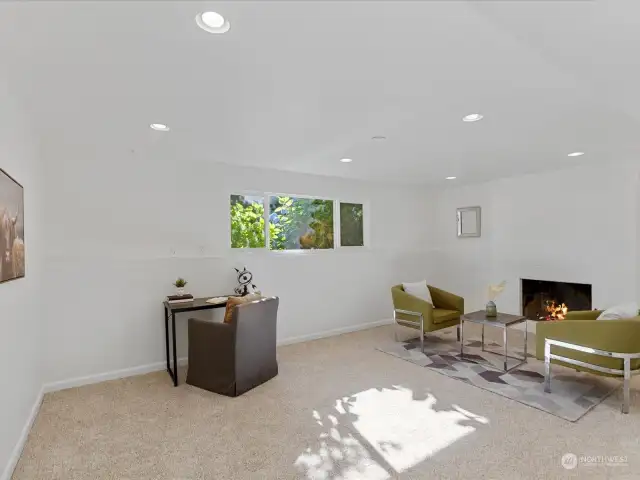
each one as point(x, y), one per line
point(546, 300)
point(555, 311)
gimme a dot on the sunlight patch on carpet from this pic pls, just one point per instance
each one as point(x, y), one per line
point(406, 431)
point(380, 432)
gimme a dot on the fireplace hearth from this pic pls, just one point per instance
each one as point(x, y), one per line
point(548, 300)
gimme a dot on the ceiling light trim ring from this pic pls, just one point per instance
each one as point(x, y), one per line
point(473, 117)
point(212, 28)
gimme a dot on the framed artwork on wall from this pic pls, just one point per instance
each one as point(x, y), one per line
point(12, 254)
point(468, 222)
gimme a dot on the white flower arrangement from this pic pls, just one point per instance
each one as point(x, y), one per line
point(495, 290)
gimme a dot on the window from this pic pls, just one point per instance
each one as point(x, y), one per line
point(247, 222)
point(284, 222)
point(300, 223)
point(351, 225)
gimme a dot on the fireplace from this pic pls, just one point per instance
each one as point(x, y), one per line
point(545, 300)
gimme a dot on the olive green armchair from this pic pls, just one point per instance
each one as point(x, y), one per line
point(604, 347)
point(413, 312)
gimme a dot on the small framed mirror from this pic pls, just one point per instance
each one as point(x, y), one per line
point(469, 222)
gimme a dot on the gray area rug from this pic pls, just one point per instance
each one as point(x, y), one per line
point(572, 395)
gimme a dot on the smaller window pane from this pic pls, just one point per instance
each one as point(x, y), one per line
point(351, 225)
point(247, 221)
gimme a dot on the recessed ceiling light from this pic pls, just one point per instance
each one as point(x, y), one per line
point(451, 178)
point(346, 160)
point(575, 154)
point(161, 127)
point(212, 22)
point(472, 117)
point(379, 137)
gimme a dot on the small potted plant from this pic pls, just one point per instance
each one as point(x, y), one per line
point(180, 283)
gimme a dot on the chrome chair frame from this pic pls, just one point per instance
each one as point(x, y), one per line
point(408, 323)
point(625, 373)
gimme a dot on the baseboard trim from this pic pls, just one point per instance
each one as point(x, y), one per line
point(17, 450)
point(113, 375)
point(334, 332)
point(531, 326)
point(159, 366)
point(141, 370)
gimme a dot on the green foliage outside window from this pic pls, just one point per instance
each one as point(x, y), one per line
point(300, 223)
point(294, 223)
point(247, 222)
point(351, 225)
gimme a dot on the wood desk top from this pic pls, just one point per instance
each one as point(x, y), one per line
point(196, 304)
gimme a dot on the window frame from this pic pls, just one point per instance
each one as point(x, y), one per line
point(365, 225)
point(337, 247)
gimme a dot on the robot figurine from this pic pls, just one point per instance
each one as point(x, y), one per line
point(245, 287)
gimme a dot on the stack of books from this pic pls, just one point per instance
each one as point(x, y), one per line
point(173, 299)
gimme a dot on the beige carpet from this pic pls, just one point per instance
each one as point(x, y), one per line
point(338, 409)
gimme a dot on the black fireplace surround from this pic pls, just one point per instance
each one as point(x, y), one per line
point(537, 294)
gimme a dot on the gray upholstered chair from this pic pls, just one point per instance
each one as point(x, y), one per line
point(232, 358)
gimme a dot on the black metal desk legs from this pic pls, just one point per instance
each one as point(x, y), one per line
point(170, 312)
point(172, 373)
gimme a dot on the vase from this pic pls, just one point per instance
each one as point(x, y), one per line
point(180, 291)
point(491, 309)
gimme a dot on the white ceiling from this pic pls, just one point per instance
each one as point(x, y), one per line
point(299, 85)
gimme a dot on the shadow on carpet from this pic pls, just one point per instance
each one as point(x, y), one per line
point(572, 395)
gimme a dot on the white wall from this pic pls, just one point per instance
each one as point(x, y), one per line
point(637, 218)
point(463, 265)
point(123, 226)
point(21, 318)
point(115, 221)
point(574, 225)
